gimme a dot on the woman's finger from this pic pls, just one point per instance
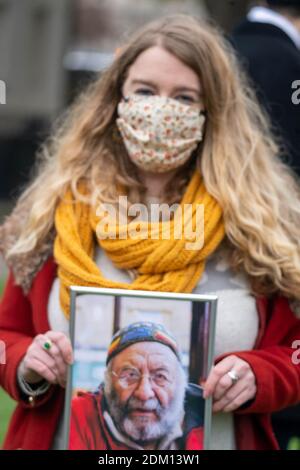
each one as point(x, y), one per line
point(240, 400)
point(229, 396)
point(226, 383)
point(42, 370)
point(222, 387)
point(55, 353)
point(36, 351)
point(64, 345)
point(217, 373)
point(45, 359)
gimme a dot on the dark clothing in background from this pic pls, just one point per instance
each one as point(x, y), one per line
point(273, 62)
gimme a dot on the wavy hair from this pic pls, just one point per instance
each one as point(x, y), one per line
point(239, 158)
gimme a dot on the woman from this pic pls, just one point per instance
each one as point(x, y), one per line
point(174, 121)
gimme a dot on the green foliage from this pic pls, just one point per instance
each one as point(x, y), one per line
point(2, 282)
point(6, 408)
point(6, 403)
point(294, 444)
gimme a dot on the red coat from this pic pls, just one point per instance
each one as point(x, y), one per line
point(32, 427)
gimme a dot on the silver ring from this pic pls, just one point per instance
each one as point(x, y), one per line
point(234, 376)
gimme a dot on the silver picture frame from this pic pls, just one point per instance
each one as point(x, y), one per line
point(204, 313)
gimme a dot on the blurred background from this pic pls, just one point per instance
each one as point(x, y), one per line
point(49, 50)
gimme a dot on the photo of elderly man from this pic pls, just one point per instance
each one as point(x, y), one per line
point(144, 402)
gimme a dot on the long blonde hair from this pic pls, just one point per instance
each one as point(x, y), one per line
point(238, 158)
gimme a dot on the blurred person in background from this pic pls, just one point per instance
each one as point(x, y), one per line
point(268, 42)
point(172, 120)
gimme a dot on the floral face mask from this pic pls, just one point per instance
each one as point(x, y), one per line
point(159, 133)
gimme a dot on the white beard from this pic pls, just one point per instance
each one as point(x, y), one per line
point(140, 429)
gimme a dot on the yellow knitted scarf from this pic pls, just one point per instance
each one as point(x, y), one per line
point(166, 265)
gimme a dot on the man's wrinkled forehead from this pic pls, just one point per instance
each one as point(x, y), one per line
point(150, 354)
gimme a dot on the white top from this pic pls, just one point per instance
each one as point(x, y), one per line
point(266, 15)
point(236, 328)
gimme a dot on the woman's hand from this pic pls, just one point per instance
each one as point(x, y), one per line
point(229, 396)
point(49, 364)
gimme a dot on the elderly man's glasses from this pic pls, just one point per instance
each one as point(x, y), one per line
point(132, 377)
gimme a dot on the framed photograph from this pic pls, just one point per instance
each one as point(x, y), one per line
point(139, 360)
